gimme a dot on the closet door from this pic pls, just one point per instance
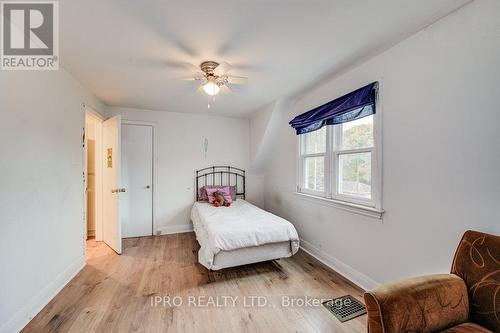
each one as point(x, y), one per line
point(137, 178)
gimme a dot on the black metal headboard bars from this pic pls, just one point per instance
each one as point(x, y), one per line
point(222, 176)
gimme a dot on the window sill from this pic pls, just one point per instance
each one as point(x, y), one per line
point(347, 206)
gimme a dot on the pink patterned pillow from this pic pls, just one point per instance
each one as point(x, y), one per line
point(223, 190)
point(203, 192)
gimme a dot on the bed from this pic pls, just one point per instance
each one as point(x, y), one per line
point(242, 233)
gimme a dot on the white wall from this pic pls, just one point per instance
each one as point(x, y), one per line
point(441, 153)
point(179, 138)
point(41, 189)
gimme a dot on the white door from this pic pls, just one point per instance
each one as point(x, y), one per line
point(137, 178)
point(112, 190)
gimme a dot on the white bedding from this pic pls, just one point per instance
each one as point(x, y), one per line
point(239, 226)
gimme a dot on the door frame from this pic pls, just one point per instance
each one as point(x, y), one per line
point(156, 231)
point(92, 113)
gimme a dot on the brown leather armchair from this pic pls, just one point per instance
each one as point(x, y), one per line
point(467, 300)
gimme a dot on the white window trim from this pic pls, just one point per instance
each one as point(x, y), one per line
point(300, 167)
point(347, 206)
point(301, 180)
point(371, 208)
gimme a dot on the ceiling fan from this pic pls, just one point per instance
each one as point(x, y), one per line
point(214, 77)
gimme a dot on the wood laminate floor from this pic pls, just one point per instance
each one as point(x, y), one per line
point(120, 293)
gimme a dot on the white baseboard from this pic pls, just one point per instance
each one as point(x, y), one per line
point(356, 277)
point(175, 229)
point(35, 304)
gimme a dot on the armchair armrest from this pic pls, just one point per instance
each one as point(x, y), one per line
point(422, 304)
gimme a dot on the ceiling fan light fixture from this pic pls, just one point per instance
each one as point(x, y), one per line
point(214, 78)
point(211, 88)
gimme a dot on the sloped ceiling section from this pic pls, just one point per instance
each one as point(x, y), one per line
point(259, 123)
point(263, 133)
point(129, 52)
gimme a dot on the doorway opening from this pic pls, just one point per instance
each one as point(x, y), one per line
point(92, 178)
point(119, 177)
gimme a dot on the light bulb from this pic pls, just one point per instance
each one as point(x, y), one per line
point(211, 88)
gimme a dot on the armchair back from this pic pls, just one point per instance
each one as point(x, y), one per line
point(477, 262)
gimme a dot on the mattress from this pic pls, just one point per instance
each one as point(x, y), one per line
point(240, 234)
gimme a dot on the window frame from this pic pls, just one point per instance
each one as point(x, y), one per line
point(333, 152)
point(301, 167)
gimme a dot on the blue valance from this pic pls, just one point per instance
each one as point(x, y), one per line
point(357, 104)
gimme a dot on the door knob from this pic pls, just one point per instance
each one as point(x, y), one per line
point(147, 186)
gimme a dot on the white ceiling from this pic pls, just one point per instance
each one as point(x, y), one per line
point(128, 51)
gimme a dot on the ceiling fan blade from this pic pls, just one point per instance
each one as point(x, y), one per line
point(225, 89)
point(190, 67)
point(222, 69)
point(186, 78)
point(194, 77)
point(237, 79)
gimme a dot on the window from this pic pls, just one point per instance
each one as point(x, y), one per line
point(313, 161)
point(339, 162)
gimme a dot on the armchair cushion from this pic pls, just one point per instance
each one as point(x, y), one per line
point(422, 304)
point(477, 262)
point(467, 328)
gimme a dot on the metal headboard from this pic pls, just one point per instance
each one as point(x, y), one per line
point(223, 176)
